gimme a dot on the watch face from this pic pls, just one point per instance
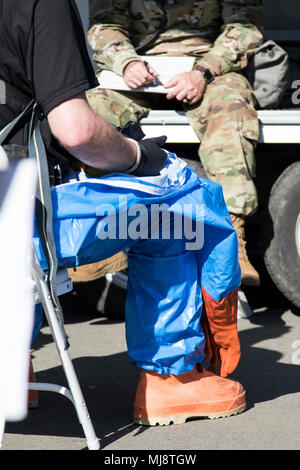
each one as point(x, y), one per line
point(210, 76)
point(207, 75)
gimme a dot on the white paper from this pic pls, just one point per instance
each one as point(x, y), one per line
point(166, 66)
point(17, 188)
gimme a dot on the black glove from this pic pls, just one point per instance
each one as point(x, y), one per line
point(153, 157)
point(132, 130)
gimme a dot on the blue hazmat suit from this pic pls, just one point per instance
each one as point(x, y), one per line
point(178, 235)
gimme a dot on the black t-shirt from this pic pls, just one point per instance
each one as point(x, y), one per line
point(43, 54)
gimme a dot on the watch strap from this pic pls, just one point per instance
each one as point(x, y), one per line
point(208, 76)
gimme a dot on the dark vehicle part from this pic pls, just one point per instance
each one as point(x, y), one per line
point(282, 257)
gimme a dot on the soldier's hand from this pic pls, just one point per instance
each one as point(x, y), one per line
point(138, 74)
point(187, 87)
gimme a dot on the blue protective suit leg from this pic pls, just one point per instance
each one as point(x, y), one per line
point(163, 310)
point(166, 272)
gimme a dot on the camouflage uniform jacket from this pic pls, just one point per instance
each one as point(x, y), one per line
point(221, 34)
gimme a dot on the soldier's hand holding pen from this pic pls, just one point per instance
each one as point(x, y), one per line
point(139, 73)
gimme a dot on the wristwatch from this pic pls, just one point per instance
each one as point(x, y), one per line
point(208, 76)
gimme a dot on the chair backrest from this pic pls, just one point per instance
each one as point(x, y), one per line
point(43, 206)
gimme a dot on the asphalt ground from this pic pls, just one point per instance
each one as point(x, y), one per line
point(269, 370)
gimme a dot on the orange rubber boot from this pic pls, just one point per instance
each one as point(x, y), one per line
point(172, 399)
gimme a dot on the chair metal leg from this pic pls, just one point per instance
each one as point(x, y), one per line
point(74, 394)
point(244, 309)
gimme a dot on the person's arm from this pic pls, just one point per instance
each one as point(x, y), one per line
point(242, 34)
point(98, 144)
point(90, 138)
point(137, 74)
point(110, 40)
point(60, 80)
point(109, 36)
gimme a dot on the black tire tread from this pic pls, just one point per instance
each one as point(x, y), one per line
point(289, 179)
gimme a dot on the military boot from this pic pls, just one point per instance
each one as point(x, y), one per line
point(91, 272)
point(250, 276)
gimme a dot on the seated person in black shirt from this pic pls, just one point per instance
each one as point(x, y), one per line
point(43, 55)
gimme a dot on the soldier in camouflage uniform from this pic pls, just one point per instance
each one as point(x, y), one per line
point(221, 35)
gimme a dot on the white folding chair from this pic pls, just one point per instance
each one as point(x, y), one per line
point(52, 284)
point(48, 289)
point(74, 394)
point(42, 294)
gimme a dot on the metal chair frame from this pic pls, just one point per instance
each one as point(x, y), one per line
point(74, 393)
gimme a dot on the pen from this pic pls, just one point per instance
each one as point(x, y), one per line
point(152, 72)
point(147, 66)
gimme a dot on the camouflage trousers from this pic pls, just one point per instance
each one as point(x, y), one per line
point(225, 121)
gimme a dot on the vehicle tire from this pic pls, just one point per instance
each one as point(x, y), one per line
point(282, 255)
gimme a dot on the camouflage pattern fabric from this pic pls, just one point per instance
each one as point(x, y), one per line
point(117, 27)
point(222, 35)
point(227, 126)
point(118, 107)
point(226, 123)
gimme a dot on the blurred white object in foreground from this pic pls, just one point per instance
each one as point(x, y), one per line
point(17, 191)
